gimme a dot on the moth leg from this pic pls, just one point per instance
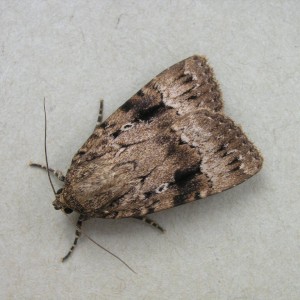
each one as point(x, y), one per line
point(77, 235)
point(57, 173)
point(151, 222)
point(100, 114)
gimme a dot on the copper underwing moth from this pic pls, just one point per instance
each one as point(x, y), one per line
point(168, 145)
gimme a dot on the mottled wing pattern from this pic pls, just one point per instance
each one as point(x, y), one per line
point(191, 164)
point(167, 145)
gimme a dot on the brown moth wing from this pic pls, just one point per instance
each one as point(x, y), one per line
point(184, 87)
point(141, 159)
point(202, 154)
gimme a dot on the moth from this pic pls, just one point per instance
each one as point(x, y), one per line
point(168, 145)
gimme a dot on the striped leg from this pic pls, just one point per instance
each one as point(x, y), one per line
point(100, 115)
point(77, 235)
point(151, 222)
point(57, 173)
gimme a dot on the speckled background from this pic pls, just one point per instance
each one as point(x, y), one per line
point(241, 244)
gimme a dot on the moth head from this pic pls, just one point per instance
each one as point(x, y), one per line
point(59, 203)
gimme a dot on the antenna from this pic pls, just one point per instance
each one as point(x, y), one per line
point(45, 146)
point(117, 257)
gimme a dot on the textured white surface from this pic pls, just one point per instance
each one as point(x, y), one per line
point(241, 244)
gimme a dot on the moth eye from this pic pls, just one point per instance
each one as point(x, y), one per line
point(68, 210)
point(127, 126)
point(162, 188)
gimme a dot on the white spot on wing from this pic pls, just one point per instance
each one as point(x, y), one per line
point(184, 138)
point(162, 188)
point(127, 126)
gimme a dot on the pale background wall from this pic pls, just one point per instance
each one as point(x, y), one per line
point(241, 244)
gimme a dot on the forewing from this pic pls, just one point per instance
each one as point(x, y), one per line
point(185, 87)
point(202, 154)
point(165, 146)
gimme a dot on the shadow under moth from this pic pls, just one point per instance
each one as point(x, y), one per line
point(169, 144)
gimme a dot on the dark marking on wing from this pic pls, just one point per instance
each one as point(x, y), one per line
point(235, 169)
point(140, 93)
point(187, 183)
point(221, 148)
point(181, 75)
point(81, 151)
point(179, 199)
point(103, 125)
point(172, 148)
point(197, 196)
point(184, 175)
point(144, 103)
point(235, 160)
point(187, 192)
point(138, 102)
point(149, 113)
point(128, 105)
point(116, 133)
point(148, 194)
point(187, 79)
